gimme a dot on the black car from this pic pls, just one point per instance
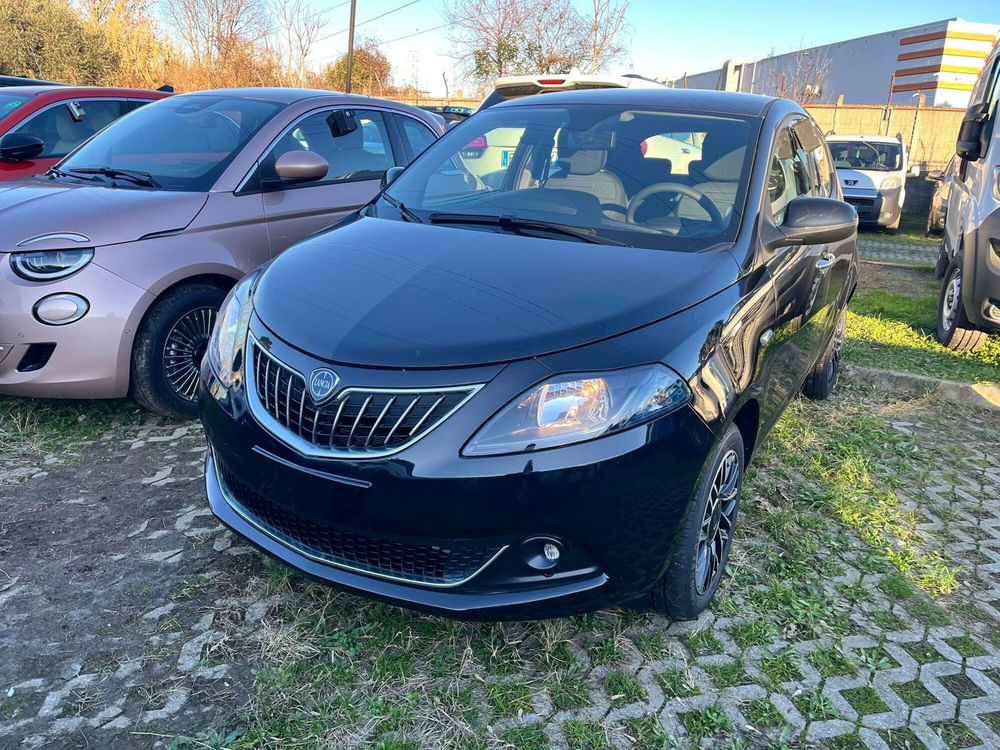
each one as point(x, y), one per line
point(537, 398)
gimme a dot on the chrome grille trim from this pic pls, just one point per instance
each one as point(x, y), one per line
point(274, 404)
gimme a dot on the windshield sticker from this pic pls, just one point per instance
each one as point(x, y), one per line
point(13, 105)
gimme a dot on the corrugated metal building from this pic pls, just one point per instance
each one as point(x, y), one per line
point(939, 60)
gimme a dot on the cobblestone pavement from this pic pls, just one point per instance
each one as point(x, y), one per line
point(892, 249)
point(129, 618)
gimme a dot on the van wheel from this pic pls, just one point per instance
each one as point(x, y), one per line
point(166, 357)
point(953, 327)
point(819, 383)
point(701, 547)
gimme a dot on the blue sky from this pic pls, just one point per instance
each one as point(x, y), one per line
point(668, 37)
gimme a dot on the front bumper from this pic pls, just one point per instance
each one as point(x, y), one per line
point(88, 358)
point(611, 505)
point(981, 274)
point(882, 208)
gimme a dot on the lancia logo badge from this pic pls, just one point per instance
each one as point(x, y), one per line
point(851, 183)
point(322, 384)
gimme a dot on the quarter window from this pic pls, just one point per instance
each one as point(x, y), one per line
point(363, 154)
point(65, 126)
point(417, 136)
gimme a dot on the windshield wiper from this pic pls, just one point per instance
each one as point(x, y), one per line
point(55, 172)
point(519, 225)
point(132, 175)
point(402, 209)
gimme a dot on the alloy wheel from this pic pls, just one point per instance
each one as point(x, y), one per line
point(717, 522)
point(184, 348)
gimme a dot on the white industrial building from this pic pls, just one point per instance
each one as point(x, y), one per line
point(938, 60)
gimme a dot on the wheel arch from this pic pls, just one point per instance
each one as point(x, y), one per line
point(747, 421)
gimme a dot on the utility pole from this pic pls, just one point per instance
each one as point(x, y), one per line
point(350, 46)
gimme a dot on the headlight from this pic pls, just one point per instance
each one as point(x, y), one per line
point(572, 408)
point(46, 265)
point(890, 183)
point(228, 341)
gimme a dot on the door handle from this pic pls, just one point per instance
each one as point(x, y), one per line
point(827, 260)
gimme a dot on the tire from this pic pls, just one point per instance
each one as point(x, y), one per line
point(953, 327)
point(168, 349)
point(696, 566)
point(819, 383)
point(941, 267)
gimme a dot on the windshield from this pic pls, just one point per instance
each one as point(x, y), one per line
point(9, 103)
point(649, 177)
point(180, 143)
point(879, 157)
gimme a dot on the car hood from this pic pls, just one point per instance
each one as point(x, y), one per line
point(864, 179)
point(101, 215)
point(387, 293)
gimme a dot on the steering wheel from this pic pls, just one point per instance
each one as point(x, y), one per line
point(714, 216)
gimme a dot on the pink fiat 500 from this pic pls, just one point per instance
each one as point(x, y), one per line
point(113, 264)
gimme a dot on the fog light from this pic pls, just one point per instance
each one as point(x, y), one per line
point(60, 309)
point(541, 552)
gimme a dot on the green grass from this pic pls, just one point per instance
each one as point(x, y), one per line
point(893, 331)
point(831, 662)
point(708, 722)
point(34, 427)
point(911, 229)
point(623, 689)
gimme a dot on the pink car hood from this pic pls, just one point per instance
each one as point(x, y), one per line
point(98, 215)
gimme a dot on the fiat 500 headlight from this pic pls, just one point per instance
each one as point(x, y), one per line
point(572, 408)
point(890, 183)
point(228, 341)
point(48, 265)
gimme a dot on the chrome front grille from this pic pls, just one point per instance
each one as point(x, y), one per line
point(357, 422)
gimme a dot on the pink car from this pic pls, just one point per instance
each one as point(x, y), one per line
point(114, 263)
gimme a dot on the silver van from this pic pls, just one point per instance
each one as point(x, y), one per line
point(969, 306)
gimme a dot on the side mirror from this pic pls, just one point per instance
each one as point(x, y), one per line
point(390, 175)
point(816, 221)
point(970, 134)
point(935, 175)
point(301, 166)
point(20, 147)
point(914, 170)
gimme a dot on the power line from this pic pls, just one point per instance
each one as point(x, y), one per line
point(362, 23)
point(416, 33)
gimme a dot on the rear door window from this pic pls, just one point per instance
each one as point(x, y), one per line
point(416, 135)
point(64, 126)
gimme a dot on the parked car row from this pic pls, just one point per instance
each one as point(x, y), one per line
point(434, 393)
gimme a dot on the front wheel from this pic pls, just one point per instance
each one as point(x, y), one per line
point(701, 547)
point(953, 327)
point(166, 358)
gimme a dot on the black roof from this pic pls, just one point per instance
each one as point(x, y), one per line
point(728, 102)
point(21, 81)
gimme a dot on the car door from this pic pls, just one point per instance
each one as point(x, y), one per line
point(357, 160)
point(798, 275)
point(67, 124)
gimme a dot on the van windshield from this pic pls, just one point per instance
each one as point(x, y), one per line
point(878, 157)
point(9, 104)
point(649, 177)
point(178, 143)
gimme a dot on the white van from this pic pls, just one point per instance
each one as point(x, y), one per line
point(872, 170)
point(969, 306)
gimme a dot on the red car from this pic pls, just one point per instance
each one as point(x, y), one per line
point(39, 125)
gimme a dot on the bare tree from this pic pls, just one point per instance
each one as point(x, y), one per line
point(216, 33)
point(494, 38)
point(607, 31)
point(802, 77)
point(297, 26)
